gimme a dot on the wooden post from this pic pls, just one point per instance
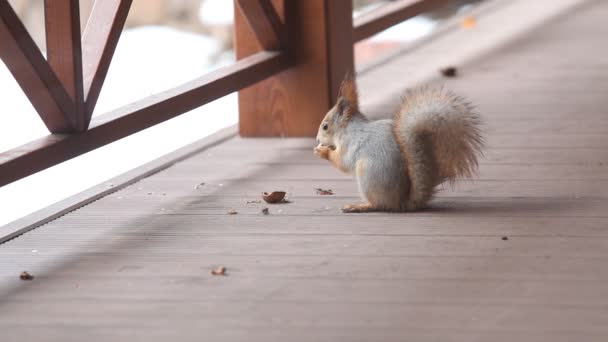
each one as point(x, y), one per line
point(319, 41)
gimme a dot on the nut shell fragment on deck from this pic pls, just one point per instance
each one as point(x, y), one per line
point(220, 271)
point(449, 71)
point(25, 275)
point(273, 197)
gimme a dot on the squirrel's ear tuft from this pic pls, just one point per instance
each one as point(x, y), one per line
point(348, 98)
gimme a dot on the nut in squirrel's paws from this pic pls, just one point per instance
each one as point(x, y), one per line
point(322, 151)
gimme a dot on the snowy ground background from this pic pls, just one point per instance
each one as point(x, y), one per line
point(148, 60)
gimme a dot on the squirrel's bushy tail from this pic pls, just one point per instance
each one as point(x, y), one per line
point(439, 136)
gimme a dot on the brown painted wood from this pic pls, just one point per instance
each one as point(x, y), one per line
point(264, 22)
point(100, 38)
point(390, 14)
point(33, 74)
point(296, 100)
point(43, 153)
point(64, 52)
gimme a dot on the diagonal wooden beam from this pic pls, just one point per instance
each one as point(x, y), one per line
point(63, 50)
point(263, 20)
point(33, 74)
point(99, 42)
point(51, 150)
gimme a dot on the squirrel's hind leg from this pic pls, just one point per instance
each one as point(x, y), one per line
point(377, 188)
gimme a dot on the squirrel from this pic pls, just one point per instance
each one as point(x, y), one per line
point(434, 137)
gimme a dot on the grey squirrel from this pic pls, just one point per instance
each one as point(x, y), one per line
point(434, 137)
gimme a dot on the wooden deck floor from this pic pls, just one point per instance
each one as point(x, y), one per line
point(134, 266)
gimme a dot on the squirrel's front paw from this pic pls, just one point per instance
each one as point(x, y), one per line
point(322, 151)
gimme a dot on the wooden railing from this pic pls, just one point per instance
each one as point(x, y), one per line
point(292, 56)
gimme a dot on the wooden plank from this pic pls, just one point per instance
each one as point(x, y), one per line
point(264, 22)
point(64, 51)
point(369, 246)
point(100, 38)
point(256, 224)
point(299, 328)
point(297, 99)
point(533, 320)
point(473, 273)
point(391, 14)
point(329, 206)
point(251, 188)
point(347, 191)
point(48, 151)
point(33, 74)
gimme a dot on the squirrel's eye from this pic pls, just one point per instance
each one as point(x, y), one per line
point(325, 127)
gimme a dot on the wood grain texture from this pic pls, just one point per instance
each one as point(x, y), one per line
point(33, 74)
point(134, 265)
point(297, 99)
point(64, 51)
